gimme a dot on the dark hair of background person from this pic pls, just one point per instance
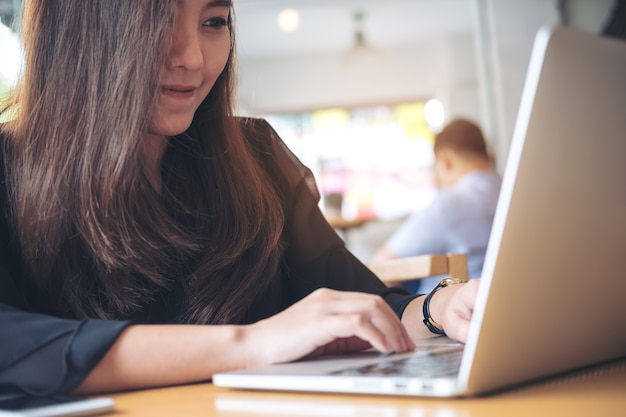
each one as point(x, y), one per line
point(96, 239)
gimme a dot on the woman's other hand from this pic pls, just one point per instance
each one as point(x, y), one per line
point(452, 307)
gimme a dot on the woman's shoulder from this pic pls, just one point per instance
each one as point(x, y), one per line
point(273, 154)
point(260, 135)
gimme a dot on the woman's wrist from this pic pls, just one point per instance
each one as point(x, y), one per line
point(413, 319)
point(253, 354)
point(440, 304)
point(435, 303)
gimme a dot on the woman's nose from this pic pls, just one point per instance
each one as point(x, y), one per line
point(185, 51)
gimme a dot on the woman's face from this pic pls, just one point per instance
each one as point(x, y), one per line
point(197, 55)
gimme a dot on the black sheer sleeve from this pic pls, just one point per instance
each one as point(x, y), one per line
point(41, 354)
point(315, 254)
point(44, 355)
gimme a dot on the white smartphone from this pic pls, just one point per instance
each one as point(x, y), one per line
point(58, 406)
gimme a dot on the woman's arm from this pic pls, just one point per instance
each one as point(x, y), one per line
point(326, 321)
point(157, 355)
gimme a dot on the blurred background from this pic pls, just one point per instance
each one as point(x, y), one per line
point(358, 88)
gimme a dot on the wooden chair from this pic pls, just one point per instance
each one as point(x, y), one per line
point(423, 266)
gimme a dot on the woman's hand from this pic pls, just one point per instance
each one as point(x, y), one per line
point(326, 321)
point(451, 307)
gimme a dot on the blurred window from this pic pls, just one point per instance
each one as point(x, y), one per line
point(369, 162)
point(10, 46)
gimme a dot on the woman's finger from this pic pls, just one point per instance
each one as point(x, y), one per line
point(371, 309)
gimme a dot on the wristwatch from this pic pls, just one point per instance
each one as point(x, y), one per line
point(431, 324)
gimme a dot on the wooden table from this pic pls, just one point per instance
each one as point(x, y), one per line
point(598, 392)
point(346, 224)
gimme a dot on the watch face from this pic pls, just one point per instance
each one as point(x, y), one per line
point(451, 281)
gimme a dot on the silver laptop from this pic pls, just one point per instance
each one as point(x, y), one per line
point(553, 293)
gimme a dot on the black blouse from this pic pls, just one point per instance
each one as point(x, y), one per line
point(41, 354)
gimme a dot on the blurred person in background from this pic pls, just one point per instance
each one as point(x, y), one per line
point(459, 218)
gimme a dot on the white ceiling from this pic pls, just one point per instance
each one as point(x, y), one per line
point(327, 26)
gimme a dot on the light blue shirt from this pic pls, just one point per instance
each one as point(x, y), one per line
point(457, 221)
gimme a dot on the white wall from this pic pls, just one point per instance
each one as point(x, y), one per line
point(508, 31)
point(435, 68)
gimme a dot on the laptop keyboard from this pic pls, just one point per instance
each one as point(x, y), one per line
point(431, 365)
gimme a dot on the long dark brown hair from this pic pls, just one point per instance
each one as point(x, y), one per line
point(96, 239)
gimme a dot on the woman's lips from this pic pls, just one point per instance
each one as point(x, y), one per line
point(178, 91)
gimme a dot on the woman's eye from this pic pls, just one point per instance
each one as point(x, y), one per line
point(216, 23)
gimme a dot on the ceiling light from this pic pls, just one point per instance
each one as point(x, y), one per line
point(289, 20)
point(361, 53)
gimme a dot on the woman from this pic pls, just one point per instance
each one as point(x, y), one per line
point(150, 237)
